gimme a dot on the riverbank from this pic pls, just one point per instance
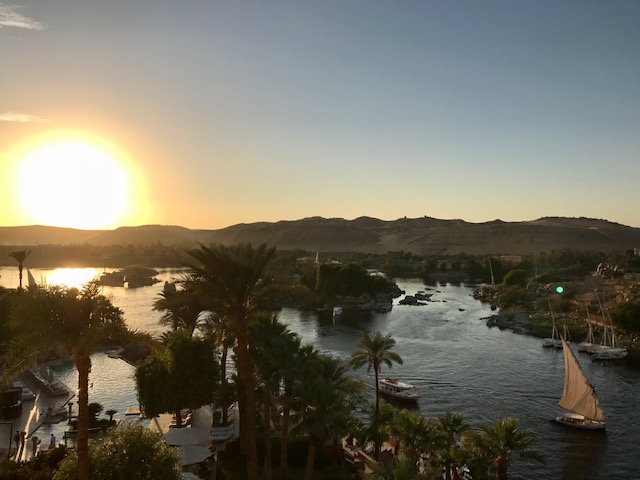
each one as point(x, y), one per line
point(539, 325)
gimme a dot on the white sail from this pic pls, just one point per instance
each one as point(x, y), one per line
point(30, 280)
point(578, 395)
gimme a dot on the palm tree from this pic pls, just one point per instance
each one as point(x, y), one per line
point(220, 335)
point(181, 308)
point(330, 397)
point(376, 351)
point(233, 278)
point(452, 427)
point(413, 433)
point(298, 368)
point(20, 256)
point(502, 442)
point(400, 470)
point(72, 322)
point(271, 340)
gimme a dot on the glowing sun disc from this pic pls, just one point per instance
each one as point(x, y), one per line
point(73, 184)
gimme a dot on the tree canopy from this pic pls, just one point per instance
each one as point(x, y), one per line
point(183, 374)
point(130, 451)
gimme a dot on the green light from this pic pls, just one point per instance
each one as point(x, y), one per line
point(559, 289)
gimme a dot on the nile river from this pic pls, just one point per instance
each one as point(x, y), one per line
point(458, 363)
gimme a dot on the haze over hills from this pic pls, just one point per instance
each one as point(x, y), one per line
point(421, 236)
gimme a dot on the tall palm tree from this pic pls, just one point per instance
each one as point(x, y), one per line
point(72, 322)
point(20, 256)
point(233, 278)
point(375, 351)
point(220, 335)
point(271, 340)
point(330, 397)
point(299, 367)
point(501, 442)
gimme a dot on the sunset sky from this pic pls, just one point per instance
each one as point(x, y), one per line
point(206, 114)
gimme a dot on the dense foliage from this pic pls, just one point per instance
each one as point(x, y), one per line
point(181, 375)
point(627, 316)
point(350, 279)
point(131, 452)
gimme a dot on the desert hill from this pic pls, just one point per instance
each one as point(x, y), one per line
point(420, 236)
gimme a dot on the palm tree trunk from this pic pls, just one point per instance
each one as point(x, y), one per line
point(284, 437)
point(247, 399)
point(311, 457)
point(225, 407)
point(83, 365)
point(267, 433)
point(501, 468)
point(20, 276)
point(376, 436)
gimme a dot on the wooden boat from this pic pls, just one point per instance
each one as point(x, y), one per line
point(578, 397)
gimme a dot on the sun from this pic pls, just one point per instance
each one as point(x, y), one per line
point(73, 183)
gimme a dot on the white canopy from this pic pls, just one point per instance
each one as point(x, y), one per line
point(187, 436)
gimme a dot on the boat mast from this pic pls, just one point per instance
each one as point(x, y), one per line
point(493, 281)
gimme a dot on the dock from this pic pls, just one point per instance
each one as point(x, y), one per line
point(48, 405)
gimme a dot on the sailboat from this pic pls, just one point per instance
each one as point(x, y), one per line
point(554, 340)
point(31, 282)
point(607, 350)
point(578, 397)
point(590, 340)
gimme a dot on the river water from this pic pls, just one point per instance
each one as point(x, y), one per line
point(458, 363)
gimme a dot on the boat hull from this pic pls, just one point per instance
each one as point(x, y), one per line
point(396, 390)
point(399, 397)
point(577, 421)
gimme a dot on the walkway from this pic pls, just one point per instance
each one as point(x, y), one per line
point(34, 414)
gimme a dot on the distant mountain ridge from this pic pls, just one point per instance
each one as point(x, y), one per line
point(421, 236)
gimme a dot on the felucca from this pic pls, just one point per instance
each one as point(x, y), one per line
point(578, 397)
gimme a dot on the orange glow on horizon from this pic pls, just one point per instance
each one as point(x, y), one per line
point(76, 180)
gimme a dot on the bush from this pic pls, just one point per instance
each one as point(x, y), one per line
point(130, 451)
point(516, 277)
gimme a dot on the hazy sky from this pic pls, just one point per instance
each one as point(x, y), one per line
point(226, 112)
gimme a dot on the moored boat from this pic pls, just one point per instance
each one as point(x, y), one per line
point(554, 341)
point(394, 388)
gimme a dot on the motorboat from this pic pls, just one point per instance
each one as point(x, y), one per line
point(394, 388)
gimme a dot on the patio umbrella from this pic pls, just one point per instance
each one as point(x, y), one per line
point(187, 436)
point(192, 454)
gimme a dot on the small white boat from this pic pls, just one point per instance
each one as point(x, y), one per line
point(609, 353)
point(394, 388)
point(554, 341)
point(590, 341)
point(607, 350)
point(578, 397)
